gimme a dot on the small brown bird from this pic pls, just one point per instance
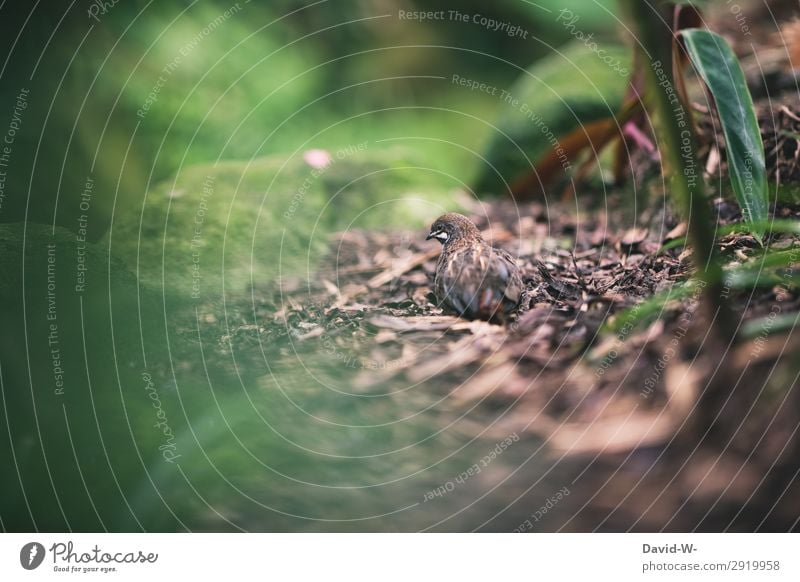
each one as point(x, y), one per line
point(476, 280)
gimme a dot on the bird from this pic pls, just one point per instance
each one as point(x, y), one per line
point(473, 278)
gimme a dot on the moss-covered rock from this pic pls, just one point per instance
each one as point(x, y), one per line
point(251, 221)
point(72, 346)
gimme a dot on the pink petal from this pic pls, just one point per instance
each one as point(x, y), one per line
point(317, 158)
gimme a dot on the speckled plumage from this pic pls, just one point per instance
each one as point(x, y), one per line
point(473, 278)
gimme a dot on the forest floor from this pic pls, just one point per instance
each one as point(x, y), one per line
point(685, 414)
point(666, 406)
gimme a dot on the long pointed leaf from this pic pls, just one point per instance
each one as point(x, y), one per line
point(717, 65)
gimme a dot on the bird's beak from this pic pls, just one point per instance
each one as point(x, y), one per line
point(430, 235)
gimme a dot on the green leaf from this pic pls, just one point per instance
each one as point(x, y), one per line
point(777, 225)
point(717, 65)
point(651, 308)
point(767, 269)
point(770, 324)
point(559, 93)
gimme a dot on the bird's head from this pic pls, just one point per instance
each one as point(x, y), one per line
point(453, 226)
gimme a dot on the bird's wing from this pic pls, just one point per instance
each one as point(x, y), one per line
point(507, 271)
point(477, 280)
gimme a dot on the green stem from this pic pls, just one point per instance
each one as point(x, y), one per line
point(676, 139)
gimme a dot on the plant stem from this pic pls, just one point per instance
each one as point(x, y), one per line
point(677, 144)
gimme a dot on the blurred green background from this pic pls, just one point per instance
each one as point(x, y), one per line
point(153, 134)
